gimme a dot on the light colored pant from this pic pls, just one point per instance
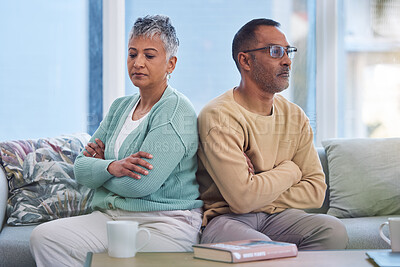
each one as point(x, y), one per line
point(307, 231)
point(65, 242)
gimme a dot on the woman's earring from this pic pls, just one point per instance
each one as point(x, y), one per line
point(168, 75)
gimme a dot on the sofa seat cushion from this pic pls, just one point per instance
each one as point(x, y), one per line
point(14, 246)
point(364, 232)
point(364, 177)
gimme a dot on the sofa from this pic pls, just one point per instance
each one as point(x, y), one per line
point(363, 178)
point(47, 163)
point(37, 185)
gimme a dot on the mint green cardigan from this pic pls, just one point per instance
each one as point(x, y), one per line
point(169, 133)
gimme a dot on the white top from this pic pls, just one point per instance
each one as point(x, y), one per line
point(127, 128)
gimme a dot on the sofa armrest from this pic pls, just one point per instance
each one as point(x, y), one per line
point(3, 197)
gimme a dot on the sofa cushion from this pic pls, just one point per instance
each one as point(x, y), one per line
point(14, 246)
point(363, 232)
point(364, 177)
point(41, 179)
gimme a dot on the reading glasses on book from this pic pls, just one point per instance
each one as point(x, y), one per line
point(276, 51)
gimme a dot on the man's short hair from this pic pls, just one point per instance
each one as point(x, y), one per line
point(246, 37)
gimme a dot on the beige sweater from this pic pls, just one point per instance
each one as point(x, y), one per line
point(288, 173)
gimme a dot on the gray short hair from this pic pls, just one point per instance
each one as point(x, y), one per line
point(149, 26)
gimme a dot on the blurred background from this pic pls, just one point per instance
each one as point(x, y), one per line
point(53, 60)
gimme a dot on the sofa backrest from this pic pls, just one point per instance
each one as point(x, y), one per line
point(324, 162)
point(321, 153)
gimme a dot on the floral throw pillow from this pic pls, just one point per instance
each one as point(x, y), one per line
point(41, 179)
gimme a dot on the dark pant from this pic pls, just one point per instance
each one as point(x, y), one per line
point(307, 231)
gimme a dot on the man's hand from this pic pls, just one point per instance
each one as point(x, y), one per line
point(127, 166)
point(251, 167)
point(95, 150)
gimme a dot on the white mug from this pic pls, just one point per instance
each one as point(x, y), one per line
point(394, 233)
point(122, 238)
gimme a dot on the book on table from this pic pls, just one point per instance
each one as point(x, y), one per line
point(385, 258)
point(244, 250)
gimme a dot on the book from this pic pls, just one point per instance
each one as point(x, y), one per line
point(244, 250)
point(385, 258)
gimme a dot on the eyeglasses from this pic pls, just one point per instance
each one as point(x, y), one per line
point(277, 51)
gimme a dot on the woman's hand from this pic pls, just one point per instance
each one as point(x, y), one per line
point(251, 167)
point(127, 166)
point(95, 150)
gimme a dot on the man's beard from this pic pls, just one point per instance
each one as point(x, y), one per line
point(266, 84)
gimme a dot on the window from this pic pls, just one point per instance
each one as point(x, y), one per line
point(43, 68)
point(369, 68)
point(345, 75)
point(205, 68)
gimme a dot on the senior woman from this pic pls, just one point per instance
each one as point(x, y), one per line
point(141, 161)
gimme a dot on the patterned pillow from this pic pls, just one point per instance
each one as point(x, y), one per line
point(41, 179)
